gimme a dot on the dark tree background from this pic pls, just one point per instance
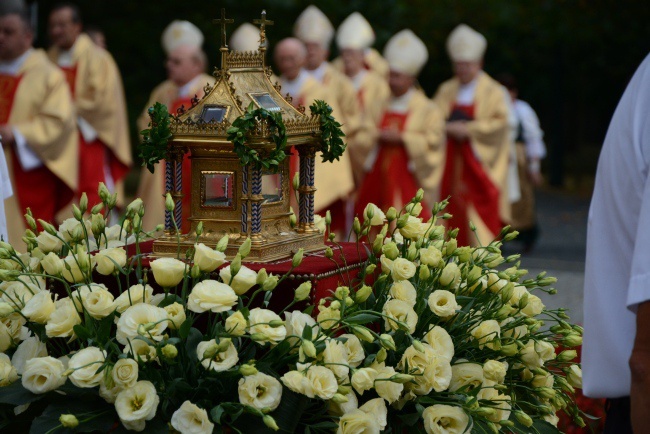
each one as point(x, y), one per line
point(572, 58)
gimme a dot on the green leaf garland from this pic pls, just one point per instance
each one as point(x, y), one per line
point(155, 142)
point(333, 145)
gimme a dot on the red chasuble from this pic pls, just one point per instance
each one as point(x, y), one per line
point(390, 182)
point(187, 167)
point(465, 180)
point(38, 189)
point(94, 156)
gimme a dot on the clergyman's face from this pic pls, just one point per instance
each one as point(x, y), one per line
point(63, 30)
point(288, 61)
point(316, 55)
point(353, 61)
point(467, 71)
point(182, 65)
point(15, 37)
point(399, 82)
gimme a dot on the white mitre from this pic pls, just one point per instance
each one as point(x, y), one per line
point(181, 33)
point(313, 26)
point(245, 38)
point(465, 44)
point(355, 32)
point(406, 53)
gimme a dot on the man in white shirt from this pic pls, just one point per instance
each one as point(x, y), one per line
point(616, 351)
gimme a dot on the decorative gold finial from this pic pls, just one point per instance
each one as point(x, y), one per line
point(223, 21)
point(263, 23)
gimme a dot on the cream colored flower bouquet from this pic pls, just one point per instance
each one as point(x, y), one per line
point(430, 337)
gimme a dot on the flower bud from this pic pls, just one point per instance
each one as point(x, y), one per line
point(381, 355)
point(5, 309)
point(235, 265)
point(335, 305)
point(509, 350)
point(545, 392)
point(342, 292)
point(276, 323)
point(169, 351)
point(507, 423)
point(297, 258)
point(453, 233)
point(418, 346)
point(362, 294)
point(47, 227)
point(424, 272)
point(270, 283)
point(76, 213)
point(391, 214)
point(97, 224)
point(169, 202)
point(195, 271)
point(356, 226)
point(572, 340)
point(199, 229)
point(523, 418)
point(293, 220)
point(401, 222)
point(245, 248)
point(567, 355)
point(270, 422)
point(387, 342)
point(485, 412)
point(303, 291)
point(308, 348)
point(377, 244)
point(339, 399)
point(390, 250)
point(546, 281)
point(329, 253)
point(451, 247)
point(363, 334)
point(259, 337)
point(401, 378)
point(31, 222)
point(69, 420)
point(223, 243)
point(295, 182)
point(247, 369)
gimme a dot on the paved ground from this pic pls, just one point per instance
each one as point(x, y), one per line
point(561, 248)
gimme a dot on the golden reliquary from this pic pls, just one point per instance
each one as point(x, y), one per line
point(231, 199)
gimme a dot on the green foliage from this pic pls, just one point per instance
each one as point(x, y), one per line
point(155, 141)
point(241, 129)
point(333, 146)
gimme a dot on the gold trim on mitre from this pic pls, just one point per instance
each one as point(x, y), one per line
point(465, 44)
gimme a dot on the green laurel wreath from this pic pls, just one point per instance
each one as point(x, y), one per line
point(245, 124)
point(331, 134)
point(154, 146)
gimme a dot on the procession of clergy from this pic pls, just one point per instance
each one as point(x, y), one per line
point(64, 127)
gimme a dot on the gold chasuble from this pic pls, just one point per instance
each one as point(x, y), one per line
point(373, 95)
point(42, 111)
point(98, 94)
point(152, 185)
point(489, 140)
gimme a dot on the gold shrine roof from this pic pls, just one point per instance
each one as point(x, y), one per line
point(243, 79)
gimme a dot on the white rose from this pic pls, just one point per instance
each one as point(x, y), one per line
point(320, 224)
point(176, 315)
point(107, 259)
point(18, 294)
point(71, 229)
point(377, 409)
point(378, 216)
point(243, 281)
point(152, 318)
point(298, 382)
point(99, 302)
point(8, 372)
point(335, 357)
point(71, 271)
point(322, 381)
point(450, 275)
point(517, 293)
point(125, 373)
point(328, 317)
point(466, 374)
point(495, 371)
point(438, 373)
point(39, 307)
point(213, 296)
point(356, 355)
point(137, 405)
point(442, 344)
point(108, 390)
point(363, 379)
point(534, 306)
point(260, 391)
point(79, 295)
point(358, 421)
point(168, 272)
point(85, 364)
point(208, 259)
point(501, 403)
point(191, 419)
point(386, 264)
point(48, 243)
point(405, 291)
point(10, 331)
point(486, 332)
point(443, 303)
point(530, 357)
point(445, 419)
point(236, 324)
point(259, 319)
point(402, 269)
point(388, 390)
point(400, 311)
point(115, 232)
point(553, 419)
point(430, 256)
point(339, 409)
point(43, 374)
point(63, 319)
point(221, 361)
point(413, 228)
point(574, 376)
point(30, 348)
point(140, 350)
point(52, 264)
point(545, 349)
point(134, 295)
point(296, 321)
point(546, 380)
